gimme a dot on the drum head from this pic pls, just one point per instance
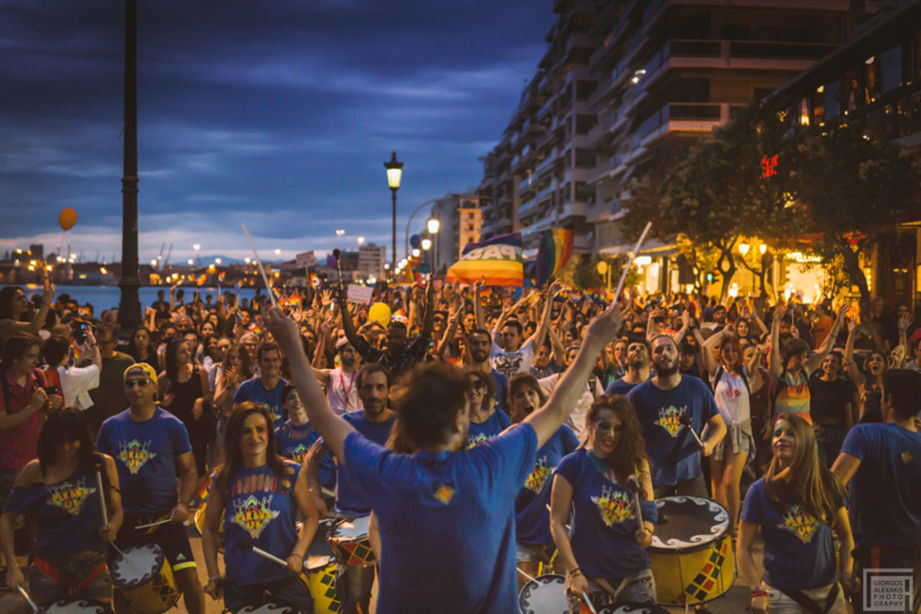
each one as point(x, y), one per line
point(631, 608)
point(544, 595)
point(137, 567)
point(77, 606)
point(688, 523)
point(265, 608)
point(357, 528)
point(315, 562)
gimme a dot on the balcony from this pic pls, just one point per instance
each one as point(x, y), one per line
point(525, 187)
point(545, 194)
point(681, 117)
point(549, 163)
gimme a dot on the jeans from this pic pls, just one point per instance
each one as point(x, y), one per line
point(829, 440)
point(779, 603)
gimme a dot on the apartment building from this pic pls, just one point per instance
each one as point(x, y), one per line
point(621, 81)
point(459, 222)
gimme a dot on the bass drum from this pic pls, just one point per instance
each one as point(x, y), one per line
point(544, 595)
point(691, 552)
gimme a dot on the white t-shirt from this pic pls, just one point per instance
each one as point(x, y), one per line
point(343, 391)
point(731, 397)
point(77, 383)
point(510, 363)
point(576, 419)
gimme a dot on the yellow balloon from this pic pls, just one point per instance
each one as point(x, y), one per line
point(602, 267)
point(67, 218)
point(380, 313)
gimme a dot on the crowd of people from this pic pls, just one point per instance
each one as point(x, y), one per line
point(485, 434)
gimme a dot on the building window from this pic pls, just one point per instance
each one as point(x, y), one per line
point(892, 68)
point(832, 104)
point(872, 80)
point(916, 58)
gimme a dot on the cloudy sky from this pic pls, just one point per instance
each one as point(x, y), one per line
point(278, 114)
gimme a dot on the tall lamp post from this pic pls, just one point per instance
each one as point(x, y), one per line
point(129, 305)
point(394, 173)
point(433, 224)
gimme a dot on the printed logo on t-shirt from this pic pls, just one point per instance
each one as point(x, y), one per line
point(670, 419)
point(134, 454)
point(298, 453)
point(614, 506)
point(906, 457)
point(254, 514)
point(509, 364)
point(272, 412)
point(801, 523)
point(444, 493)
point(475, 440)
point(540, 474)
point(70, 497)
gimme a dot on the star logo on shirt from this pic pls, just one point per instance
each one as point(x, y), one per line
point(614, 506)
point(475, 440)
point(801, 523)
point(70, 497)
point(540, 474)
point(134, 454)
point(254, 514)
point(670, 419)
point(299, 453)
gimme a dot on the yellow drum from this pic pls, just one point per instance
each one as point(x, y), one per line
point(349, 540)
point(692, 559)
point(145, 578)
point(320, 577)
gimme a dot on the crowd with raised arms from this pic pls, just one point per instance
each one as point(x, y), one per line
point(482, 435)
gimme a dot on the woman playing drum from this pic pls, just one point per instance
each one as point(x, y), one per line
point(605, 555)
point(797, 504)
point(60, 491)
point(261, 495)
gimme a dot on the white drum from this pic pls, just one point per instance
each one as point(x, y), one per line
point(544, 595)
point(77, 606)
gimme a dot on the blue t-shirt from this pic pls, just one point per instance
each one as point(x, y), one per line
point(259, 509)
point(671, 449)
point(497, 422)
point(532, 518)
point(294, 442)
point(884, 499)
point(145, 455)
point(501, 382)
point(252, 390)
point(447, 522)
point(350, 498)
point(620, 387)
point(69, 514)
point(799, 549)
point(604, 522)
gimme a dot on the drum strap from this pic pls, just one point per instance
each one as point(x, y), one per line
point(49, 570)
point(809, 604)
point(614, 592)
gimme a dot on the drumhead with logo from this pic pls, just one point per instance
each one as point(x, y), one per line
point(77, 606)
point(137, 567)
point(688, 523)
point(544, 595)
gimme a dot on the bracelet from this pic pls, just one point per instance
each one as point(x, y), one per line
point(213, 578)
point(759, 593)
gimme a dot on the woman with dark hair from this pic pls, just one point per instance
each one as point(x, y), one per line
point(797, 505)
point(59, 491)
point(732, 383)
point(235, 368)
point(605, 554)
point(15, 308)
point(183, 388)
point(832, 402)
point(142, 347)
point(486, 419)
point(868, 378)
point(532, 517)
point(261, 495)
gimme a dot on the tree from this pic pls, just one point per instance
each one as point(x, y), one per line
point(852, 190)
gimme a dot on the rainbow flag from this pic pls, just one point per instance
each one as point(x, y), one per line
point(554, 250)
point(496, 260)
point(78, 352)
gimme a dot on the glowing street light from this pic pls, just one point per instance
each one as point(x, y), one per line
point(394, 174)
point(426, 244)
point(361, 241)
point(743, 248)
point(762, 248)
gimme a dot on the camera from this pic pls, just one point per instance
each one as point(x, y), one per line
point(52, 390)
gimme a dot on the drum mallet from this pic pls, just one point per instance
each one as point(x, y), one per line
point(25, 596)
point(246, 544)
point(155, 523)
point(685, 420)
point(633, 486)
point(102, 501)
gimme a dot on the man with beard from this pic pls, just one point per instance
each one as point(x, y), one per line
point(267, 387)
point(342, 393)
point(637, 363)
point(509, 355)
point(660, 404)
point(374, 422)
point(398, 354)
point(479, 343)
point(446, 514)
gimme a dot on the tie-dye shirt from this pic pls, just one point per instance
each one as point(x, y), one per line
point(793, 395)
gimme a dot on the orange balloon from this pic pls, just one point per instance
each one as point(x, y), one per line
point(67, 218)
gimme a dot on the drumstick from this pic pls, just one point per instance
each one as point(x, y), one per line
point(261, 270)
point(155, 523)
point(634, 487)
point(636, 249)
point(25, 596)
point(327, 492)
point(588, 602)
point(525, 575)
point(685, 420)
point(248, 545)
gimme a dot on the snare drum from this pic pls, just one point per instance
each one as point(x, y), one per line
point(349, 540)
point(544, 595)
point(692, 559)
point(77, 606)
point(145, 578)
point(630, 608)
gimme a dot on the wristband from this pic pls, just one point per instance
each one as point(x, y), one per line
point(759, 593)
point(213, 578)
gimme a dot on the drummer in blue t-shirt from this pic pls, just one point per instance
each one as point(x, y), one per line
point(446, 514)
point(532, 516)
point(882, 463)
point(796, 504)
point(605, 555)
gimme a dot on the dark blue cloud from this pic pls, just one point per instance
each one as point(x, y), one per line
point(278, 114)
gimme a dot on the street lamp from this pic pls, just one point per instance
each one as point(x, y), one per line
point(197, 249)
point(433, 225)
point(394, 173)
point(361, 241)
point(743, 248)
point(426, 244)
